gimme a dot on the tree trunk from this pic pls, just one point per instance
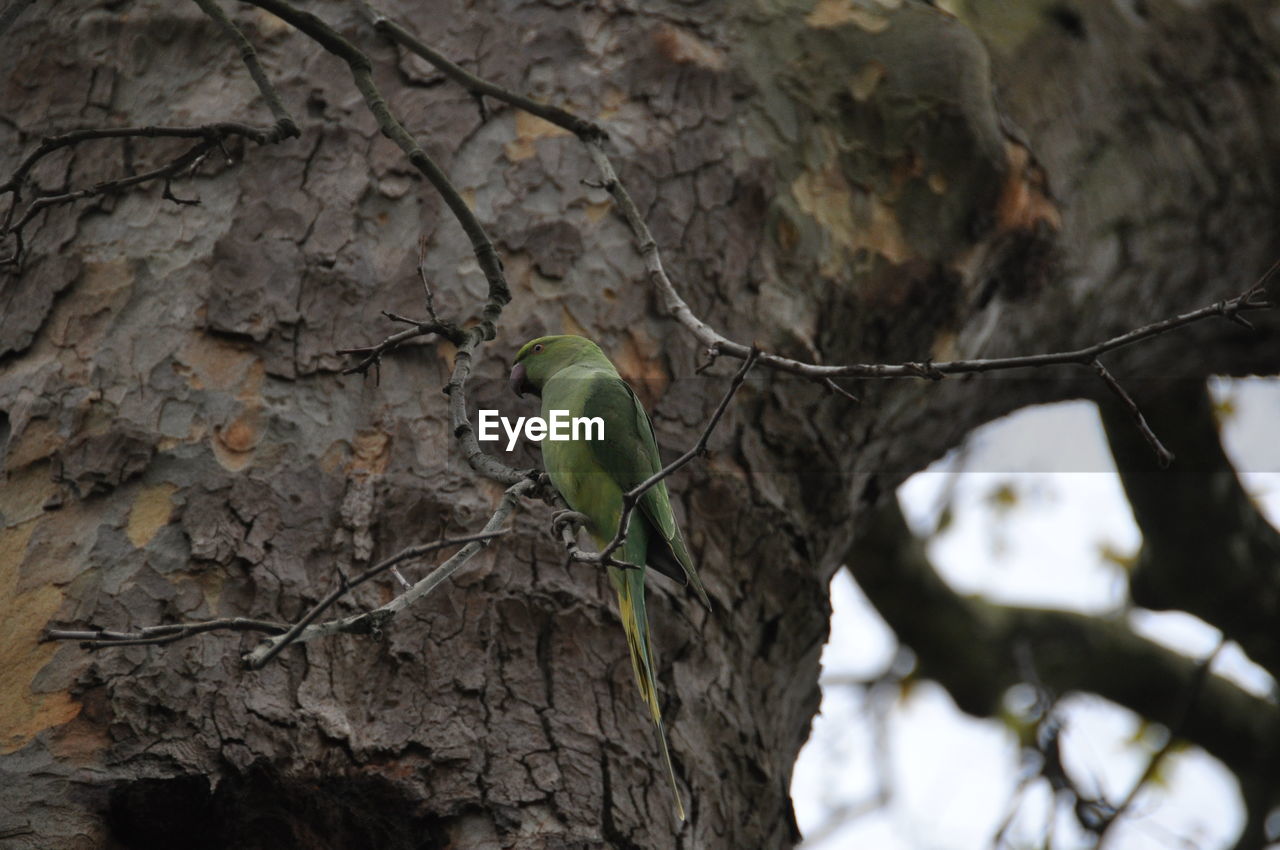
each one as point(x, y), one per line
point(834, 181)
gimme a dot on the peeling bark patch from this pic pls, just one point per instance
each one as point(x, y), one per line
point(852, 221)
point(639, 361)
point(39, 439)
point(24, 714)
point(211, 363)
point(529, 128)
point(254, 285)
point(685, 48)
point(214, 531)
point(234, 443)
point(1024, 200)
point(25, 493)
point(27, 299)
point(371, 452)
point(553, 247)
point(828, 14)
point(98, 463)
point(865, 80)
point(150, 512)
point(81, 321)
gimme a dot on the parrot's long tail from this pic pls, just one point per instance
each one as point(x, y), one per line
point(630, 586)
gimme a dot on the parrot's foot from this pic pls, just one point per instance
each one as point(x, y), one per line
point(542, 487)
point(572, 518)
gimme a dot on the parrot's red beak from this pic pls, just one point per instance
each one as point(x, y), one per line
point(519, 382)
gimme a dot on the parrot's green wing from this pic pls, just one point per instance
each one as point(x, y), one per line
point(629, 454)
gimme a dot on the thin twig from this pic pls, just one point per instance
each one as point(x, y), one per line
point(714, 343)
point(839, 390)
point(499, 294)
point(49, 144)
point(1190, 696)
point(372, 355)
point(213, 134)
point(478, 86)
point(428, 296)
point(285, 127)
point(110, 187)
point(162, 634)
point(1163, 456)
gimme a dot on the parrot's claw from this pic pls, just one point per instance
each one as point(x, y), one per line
point(560, 519)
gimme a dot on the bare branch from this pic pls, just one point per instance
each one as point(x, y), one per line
point(372, 355)
point(839, 390)
point(714, 342)
point(162, 634)
point(478, 86)
point(165, 172)
point(285, 127)
point(1163, 456)
point(1186, 514)
point(499, 293)
point(427, 294)
point(1194, 687)
point(971, 647)
point(171, 632)
point(1255, 298)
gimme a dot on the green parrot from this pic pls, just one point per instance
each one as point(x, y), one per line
point(572, 374)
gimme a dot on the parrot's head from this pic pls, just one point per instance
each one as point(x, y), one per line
point(539, 359)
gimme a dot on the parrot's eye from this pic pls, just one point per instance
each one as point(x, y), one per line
point(537, 348)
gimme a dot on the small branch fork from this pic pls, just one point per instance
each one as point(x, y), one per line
point(371, 356)
point(273, 647)
point(209, 137)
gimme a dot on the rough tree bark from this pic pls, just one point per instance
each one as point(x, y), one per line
point(837, 181)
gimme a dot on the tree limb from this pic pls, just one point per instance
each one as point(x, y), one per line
point(970, 647)
point(162, 634)
point(1206, 549)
